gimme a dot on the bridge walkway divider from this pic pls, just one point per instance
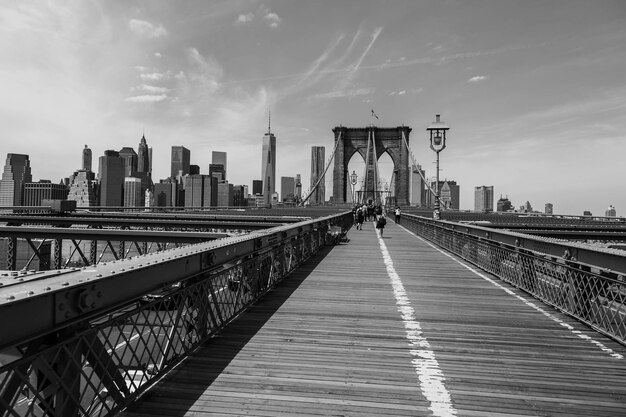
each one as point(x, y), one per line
point(395, 327)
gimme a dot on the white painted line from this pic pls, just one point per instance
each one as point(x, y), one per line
point(523, 300)
point(424, 362)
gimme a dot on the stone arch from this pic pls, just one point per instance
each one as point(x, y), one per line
point(386, 139)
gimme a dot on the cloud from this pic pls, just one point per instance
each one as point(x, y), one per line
point(478, 78)
point(264, 13)
point(148, 98)
point(245, 18)
point(272, 19)
point(158, 55)
point(153, 89)
point(345, 93)
point(146, 29)
point(152, 76)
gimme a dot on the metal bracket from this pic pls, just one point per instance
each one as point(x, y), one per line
point(75, 302)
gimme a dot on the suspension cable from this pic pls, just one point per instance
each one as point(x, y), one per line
point(406, 144)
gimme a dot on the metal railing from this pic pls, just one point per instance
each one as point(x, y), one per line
point(98, 353)
point(588, 291)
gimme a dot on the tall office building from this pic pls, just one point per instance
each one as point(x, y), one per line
point(549, 208)
point(287, 189)
point(180, 161)
point(219, 158)
point(298, 187)
point(483, 198)
point(418, 186)
point(83, 188)
point(217, 171)
point(35, 192)
point(111, 179)
point(504, 204)
point(133, 196)
point(318, 195)
point(130, 158)
point(86, 159)
point(257, 187)
point(268, 166)
point(16, 174)
point(200, 191)
point(165, 193)
point(143, 156)
point(225, 194)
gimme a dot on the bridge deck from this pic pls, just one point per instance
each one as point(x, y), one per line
point(350, 335)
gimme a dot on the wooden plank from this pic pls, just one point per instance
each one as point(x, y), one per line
point(330, 341)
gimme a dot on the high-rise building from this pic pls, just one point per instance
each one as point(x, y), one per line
point(86, 159)
point(130, 158)
point(143, 156)
point(165, 193)
point(257, 187)
point(418, 186)
point(268, 166)
point(180, 161)
point(549, 208)
point(240, 194)
point(287, 189)
point(35, 192)
point(133, 196)
point(527, 208)
point(111, 179)
point(200, 191)
point(504, 204)
point(298, 187)
point(610, 212)
point(225, 194)
point(16, 174)
point(194, 169)
point(219, 158)
point(483, 198)
point(217, 171)
point(318, 195)
point(83, 189)
point(449, 192)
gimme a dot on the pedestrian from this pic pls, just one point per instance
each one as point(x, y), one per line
point(360, 216)
point(397, 213)
point(380, 224)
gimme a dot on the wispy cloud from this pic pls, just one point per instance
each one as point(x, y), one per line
point(153, 76)
point(272, 19)
point(147, 98)
point(152, 89)
point(146, 29)
point(245, 18)
point(345, 93)
point(478, 78)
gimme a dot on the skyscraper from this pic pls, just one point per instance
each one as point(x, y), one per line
point(268, 166)
point(83, 188)
point(86, 159)
point(549, 208)
point(218, 171)
point(180, 161)
point(298, 187)
point(129, 156)
point(610, 212)
point(219, 158)
point(483, 198)
point(418, 186)
point(36, 192)
point(111, 178)
point(133, 196)
point(287, 189)
point(200, 191)
point(143, 156)
point(16, 174)
point(318, 195)
point(257, 187)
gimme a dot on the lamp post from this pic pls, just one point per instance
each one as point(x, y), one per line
point(437, 132)
point(353, 180)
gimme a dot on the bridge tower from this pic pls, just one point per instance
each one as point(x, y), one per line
point(375, 141)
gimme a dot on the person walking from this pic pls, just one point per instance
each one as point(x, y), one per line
point(380, 224)
point(397, 213)
point(360, 217)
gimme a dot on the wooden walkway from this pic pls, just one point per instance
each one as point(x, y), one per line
point(350, 335)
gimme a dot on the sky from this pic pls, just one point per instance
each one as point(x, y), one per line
point(534, 92)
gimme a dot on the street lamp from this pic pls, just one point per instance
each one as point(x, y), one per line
point(437, 132)
point(353, 180)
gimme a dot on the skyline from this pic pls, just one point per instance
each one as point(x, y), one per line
point(534, 94)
